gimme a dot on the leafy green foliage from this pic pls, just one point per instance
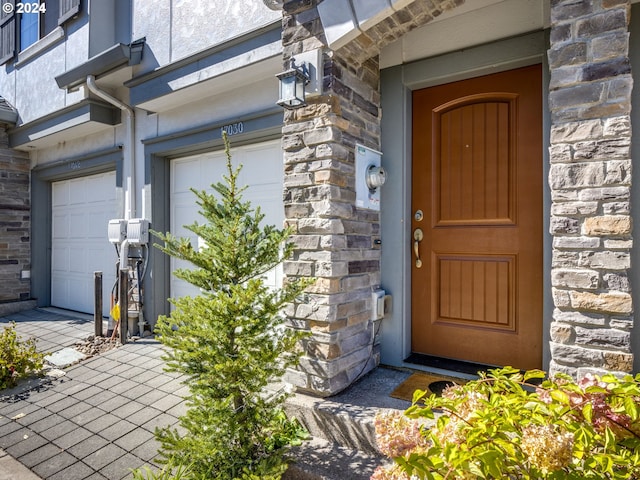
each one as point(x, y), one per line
point(231, 341)
point(18, 358)
point(504, 426)
point(168, 472)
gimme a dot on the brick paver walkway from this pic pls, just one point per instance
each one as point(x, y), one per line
point(97, 421)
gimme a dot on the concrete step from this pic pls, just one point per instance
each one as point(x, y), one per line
point(347, 419)
point(318, 459)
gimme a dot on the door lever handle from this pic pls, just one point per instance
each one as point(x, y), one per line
point(417, 238)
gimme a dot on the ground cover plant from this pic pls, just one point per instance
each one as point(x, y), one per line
point(507, 425)
point(230, 342)
point(18, 357)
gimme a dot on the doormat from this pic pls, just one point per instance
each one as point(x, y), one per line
point(432, 383)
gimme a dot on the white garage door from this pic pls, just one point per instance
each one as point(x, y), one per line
point(262, 171)
point(81, 210)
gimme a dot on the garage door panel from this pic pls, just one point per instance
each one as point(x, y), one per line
point(81, 210)
point(59, 287)
point(78, 261)
point(80, 298)
point(100, 191)
point(262, 171)
point(60, 259)
point(258, 167)
point(78, 192)
point(269, 197)
point(60, 226)
point(78, 225)
point(100, 222)
point(94, 261)
point(60, 194)
point(185, 215)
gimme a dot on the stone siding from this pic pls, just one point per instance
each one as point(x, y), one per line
point(15, 222)
point(336, 242)
point(590, 180)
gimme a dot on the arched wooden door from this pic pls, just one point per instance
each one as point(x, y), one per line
point(477, 219)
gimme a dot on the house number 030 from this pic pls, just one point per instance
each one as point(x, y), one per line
point(233, 128)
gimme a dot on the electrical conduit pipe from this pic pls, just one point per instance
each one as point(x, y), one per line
point(129, 152)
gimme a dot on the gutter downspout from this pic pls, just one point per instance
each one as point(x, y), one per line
point(129, 212)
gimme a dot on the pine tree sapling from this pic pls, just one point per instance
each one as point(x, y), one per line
point(230, 341)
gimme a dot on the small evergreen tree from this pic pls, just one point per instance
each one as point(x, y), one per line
point(230, 341)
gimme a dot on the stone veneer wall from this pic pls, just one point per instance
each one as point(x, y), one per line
point(15, 222)
point(590, 179)
point(335, 242)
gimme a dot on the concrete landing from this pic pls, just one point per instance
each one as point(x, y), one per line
point(321, 460)
point(343, 445)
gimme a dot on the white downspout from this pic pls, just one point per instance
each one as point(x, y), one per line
point(129, 151)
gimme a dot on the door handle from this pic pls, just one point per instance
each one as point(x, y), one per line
point(417, 238)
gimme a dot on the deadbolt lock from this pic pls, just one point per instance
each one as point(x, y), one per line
point(418, 216)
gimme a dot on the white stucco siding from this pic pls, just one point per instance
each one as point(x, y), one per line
point(232, 104)
point(30, 84)
point(79, 146)
point(37, 93)
point(152, 20)
point(175, 29)
point(77, 45)
point(197, 24)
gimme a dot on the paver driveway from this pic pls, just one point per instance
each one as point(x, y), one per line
point(97, 421)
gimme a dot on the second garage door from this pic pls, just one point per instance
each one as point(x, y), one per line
point(81, 210)
point(263, 173)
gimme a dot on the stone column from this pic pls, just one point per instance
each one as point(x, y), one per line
point(335, 241)
point(590, 179)
point(15, 221)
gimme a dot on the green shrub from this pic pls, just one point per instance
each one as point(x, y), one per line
point(18, 357)
point(504, 426)
point(230, 341)
point(168, 472)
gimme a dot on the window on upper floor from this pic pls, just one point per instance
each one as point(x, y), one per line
point(24, 23)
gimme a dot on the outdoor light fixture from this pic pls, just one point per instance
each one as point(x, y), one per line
point(274, 4)
point(292, 85)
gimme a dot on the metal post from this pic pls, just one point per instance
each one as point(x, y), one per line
point(97, 305)
point(124, 304)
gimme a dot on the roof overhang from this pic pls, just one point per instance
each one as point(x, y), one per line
point(240, 61)
point(80, 119)
point(111, 59)
point(8, 114)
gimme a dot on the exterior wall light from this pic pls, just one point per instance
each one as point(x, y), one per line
point(274, 4)
point(292, 85)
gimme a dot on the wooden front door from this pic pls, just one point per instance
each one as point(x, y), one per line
point(477, 219)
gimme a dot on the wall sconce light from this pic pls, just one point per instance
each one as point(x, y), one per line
point(292, 85)
point(274, 4)
point(375, 177)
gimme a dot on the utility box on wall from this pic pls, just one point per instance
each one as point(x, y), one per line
point(369, 177)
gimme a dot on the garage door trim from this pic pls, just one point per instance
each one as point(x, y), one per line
point(42, 177)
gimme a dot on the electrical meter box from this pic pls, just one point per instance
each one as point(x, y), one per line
point(138, 231)
point(366, 158)
point(117, 230)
